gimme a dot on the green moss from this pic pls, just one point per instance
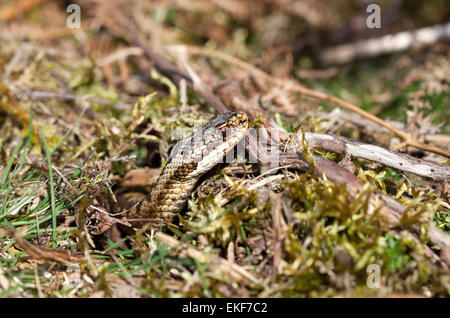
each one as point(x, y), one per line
point(442, 221)
point(395, 254)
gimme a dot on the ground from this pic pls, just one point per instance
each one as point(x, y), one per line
point(86, 115)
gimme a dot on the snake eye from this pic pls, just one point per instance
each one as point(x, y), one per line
point(223, 129)
point(224, 126)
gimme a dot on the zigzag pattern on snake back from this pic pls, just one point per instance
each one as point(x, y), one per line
point(189, 160)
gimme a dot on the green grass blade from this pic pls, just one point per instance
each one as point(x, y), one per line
point(10, 163)
point(52, 188)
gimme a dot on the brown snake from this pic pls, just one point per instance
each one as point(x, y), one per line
point(191, 158)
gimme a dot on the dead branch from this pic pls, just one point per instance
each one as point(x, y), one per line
point(293, 86)
point(119, 55)
point(386, 44)
point(374, 153)
point(69, 97)
point(23, 29)
point(338, 117)
point(62, 257)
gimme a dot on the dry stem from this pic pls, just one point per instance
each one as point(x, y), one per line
point(292, 86)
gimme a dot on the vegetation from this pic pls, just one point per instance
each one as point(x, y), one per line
point(100, 128)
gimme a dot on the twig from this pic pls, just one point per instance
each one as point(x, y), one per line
point(438, 237)
point(291, 85)
point(338, 117)
point(374, 153)
point(386, 44)
point(32, 31)
point(119, 55)
point(69, 96)
point(48, 254)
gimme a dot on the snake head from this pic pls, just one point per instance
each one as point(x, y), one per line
point(209, 144)
point(228, 128)
point(233, 120)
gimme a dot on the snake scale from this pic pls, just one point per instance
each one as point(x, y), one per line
point(191, 158)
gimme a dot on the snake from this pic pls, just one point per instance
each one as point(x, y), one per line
point(189, 160)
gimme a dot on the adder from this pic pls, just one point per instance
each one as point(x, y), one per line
point(191, 158)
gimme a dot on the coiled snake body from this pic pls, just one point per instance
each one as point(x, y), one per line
point(189, 160)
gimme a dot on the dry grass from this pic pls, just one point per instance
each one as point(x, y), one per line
point(63, 159)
